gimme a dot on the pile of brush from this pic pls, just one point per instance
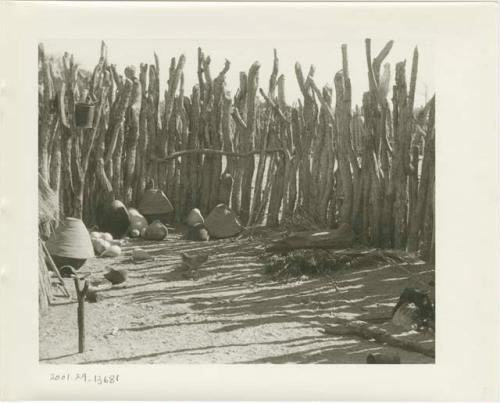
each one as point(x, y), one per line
point(320, 262)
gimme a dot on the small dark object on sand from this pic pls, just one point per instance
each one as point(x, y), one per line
point(92, 295)
point(116, 276)
point(193, 262)
point(378, 358)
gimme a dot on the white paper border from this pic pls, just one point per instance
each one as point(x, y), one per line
point(466, 210)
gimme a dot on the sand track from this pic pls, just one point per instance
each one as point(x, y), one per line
point(231, 314)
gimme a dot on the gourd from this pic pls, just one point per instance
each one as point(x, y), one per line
point(155, 231)
point(107, 236)
point(194, 218)
point(137, 220)
point(112, 251)
point(100, 245)
point(135, 233)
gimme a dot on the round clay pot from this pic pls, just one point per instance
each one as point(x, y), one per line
point(198, 232)
point(155, 231)
point(194, 217)
point(164, 218)
point(115, 219)
point(137, 220)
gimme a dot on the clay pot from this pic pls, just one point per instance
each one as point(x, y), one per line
point(194, 217)
point(137, 221)
point(135, 233)
point(70, 244)
point(115, 219)
point(155, 231)
point(197, 232)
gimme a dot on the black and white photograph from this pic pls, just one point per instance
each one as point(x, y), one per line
point(203, 205)
point(213, 201)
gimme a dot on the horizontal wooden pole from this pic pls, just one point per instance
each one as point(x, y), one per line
point(208, 151)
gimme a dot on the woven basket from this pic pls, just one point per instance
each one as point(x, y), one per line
point(155, 206)
point(70, 243)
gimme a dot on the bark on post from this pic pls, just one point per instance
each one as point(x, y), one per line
point(168, 136)
point(358, 167)
point(226, 181)
point(77, 146)
point(154, 124)
point(194, 161)
point(131, 140)
point(403, 114)
point(45, 112)
point(342, 120)
point(305, 137)
point(81, 291)
point(239, 112)
point(247, 141)
point(141, 159)
point(257, 193)
point(183, 174)
point(206, 105)
point(217, 135)
point(425, 189)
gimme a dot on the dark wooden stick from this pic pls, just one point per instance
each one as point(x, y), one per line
point(54, 268)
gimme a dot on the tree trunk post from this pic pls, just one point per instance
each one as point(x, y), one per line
point(80, 294)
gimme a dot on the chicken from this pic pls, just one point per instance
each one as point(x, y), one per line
point(192, 262)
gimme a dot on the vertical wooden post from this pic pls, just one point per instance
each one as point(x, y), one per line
point(247, 142)
point(240, 106)
point(80, 294)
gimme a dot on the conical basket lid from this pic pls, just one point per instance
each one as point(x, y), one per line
point(154, 201)
point(71, 239)
point(222, 222)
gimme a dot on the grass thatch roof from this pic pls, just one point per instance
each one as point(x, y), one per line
point(48, 202)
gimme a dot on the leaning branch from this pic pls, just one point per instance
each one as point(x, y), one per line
point(208, 151)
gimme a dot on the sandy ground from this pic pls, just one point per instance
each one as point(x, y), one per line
point(232, 313)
